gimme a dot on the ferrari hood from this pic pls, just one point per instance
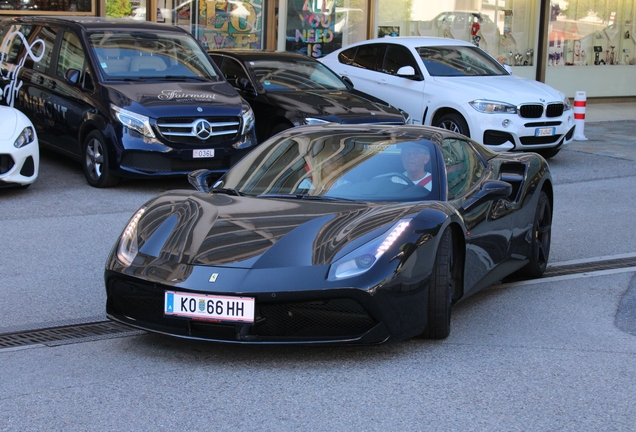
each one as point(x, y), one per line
point(250, 232)
point(511, 89)
point(8, 122)
point(157, 99)
point(336, 106)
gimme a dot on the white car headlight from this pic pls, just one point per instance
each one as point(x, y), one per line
point(363, 258)
point(566, 103)
point(128, 247)
point(248, 119)
point(27, 136)
point(493, 107)
point(134, 121)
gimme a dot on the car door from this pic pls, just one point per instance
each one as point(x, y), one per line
point(489, 230)
point(233, 71)
point(72, 85)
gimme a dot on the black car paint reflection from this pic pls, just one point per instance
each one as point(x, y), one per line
point(287, 90)
point(270, 234)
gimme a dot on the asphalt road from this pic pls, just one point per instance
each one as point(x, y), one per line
point(553, 354)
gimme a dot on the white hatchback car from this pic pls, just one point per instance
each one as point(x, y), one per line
point(455, 85)
point(19, 150)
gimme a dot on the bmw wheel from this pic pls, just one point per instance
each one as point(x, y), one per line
point(453, 122)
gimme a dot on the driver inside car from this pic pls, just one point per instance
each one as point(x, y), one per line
point(414, 160)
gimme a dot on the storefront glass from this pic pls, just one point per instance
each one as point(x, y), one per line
point(318, 27)
point(20, 7)
point(506, 29)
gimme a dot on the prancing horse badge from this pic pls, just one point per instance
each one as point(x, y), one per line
point(213, 277)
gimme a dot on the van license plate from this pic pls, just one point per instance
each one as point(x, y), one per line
point(203, 153)
point(545, 132)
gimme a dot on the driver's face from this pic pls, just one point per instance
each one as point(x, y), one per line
point(414, 159)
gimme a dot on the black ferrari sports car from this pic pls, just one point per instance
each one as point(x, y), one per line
point(333, 234)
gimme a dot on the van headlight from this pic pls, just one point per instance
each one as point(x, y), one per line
point(137, 122)
point(248, 118)
point(363, 258)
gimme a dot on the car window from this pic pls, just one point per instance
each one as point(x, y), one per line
point(231, 69)
point(71, 55)
point(144, 55)
point(41, 42)
point(459, 61)
point(397, 56)
point(295, 75)
point(360, 167)
point(464, 167)
point(368, 56)
point(14, 39)
point(347, 56)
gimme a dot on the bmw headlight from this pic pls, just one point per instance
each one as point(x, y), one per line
point(128, 247)
point(26, 137)
point(493, 107)
point(134, 121)
point(315, 121)
point(248, 119)
point(566, 103)
point(364, 257)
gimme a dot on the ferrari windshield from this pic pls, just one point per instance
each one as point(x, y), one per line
point(339, 164)
point(297, 75)
point(136, 55)
point(459, 61)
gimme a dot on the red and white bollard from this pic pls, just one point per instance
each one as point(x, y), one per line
point(579, 116)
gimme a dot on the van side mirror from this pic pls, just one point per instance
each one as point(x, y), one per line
point(72, 76)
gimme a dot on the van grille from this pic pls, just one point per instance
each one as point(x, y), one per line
point(183, 130)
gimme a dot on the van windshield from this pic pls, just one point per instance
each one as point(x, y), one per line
point(124, 55)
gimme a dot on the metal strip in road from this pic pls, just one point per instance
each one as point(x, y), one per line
point(91, 331)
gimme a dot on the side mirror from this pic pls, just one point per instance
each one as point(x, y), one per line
point(245, 85)
point(490, 191)
point(507, 68)
point(200, 180)
point(406, 71)
point(72, 76)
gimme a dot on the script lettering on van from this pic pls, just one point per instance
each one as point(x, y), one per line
point(179, 94)
point(10, 91)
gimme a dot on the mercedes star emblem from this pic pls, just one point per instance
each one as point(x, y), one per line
point(202, 129)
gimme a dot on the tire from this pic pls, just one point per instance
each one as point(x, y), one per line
point(440, 290)
point(547, 154)
point(95, 162)
point(453, 122)
point(541, 236)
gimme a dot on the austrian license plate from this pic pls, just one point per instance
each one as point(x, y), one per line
point(203, 153)
point(549, 131)
point(209, 307)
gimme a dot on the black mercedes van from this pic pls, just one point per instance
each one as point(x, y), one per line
point(125, 98)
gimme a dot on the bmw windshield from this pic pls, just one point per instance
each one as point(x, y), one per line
point(136, 55)
point(449, 61)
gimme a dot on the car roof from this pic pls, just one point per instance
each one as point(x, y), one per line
point(415, 41)
point(262, 55)
point(96, 23)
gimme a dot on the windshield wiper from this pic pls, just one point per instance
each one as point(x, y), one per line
point(305, 197)
point(228, 191)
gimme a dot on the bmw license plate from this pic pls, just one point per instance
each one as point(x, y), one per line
point(549, 131)
point(203, 153)
point(209, 307)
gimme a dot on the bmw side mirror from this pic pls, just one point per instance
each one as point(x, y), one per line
point(72, 76)
point(507, 68)
point(406, 71)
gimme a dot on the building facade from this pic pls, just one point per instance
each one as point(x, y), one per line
point(572, 45)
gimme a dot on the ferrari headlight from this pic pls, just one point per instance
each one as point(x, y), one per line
point(134, 121)
point(248, 119)
point(363, 258)
point(128, 247)
point(492, 107)
point(26, 137)
point(315, 121)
